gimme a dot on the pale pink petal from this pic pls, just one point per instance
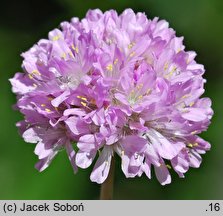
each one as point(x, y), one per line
point(85, 159)
point(86, 143)
point(163, 174)
point(102, 166)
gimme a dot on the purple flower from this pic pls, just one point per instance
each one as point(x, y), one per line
point(109, 85)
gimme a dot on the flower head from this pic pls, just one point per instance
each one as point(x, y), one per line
point(113, 84)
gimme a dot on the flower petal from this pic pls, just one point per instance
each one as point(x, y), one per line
point(195, 159)
point(85, 159)
point(21, 84)
point(31, 136)
point(195, 114)
point(71, 155)
point(133, 143)
point(180, 163)
point(165, 148)
point(102, 166)
point(60, 99)
point(86, 143)
point(74, 111)
point(77, 126)
point(45, 162)
point(147, 168)
point(163, 174)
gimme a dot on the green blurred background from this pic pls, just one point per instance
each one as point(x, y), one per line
point(23, 23)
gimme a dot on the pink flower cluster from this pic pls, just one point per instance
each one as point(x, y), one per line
point(114, 84)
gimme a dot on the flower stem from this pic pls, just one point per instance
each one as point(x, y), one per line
point(107, 186)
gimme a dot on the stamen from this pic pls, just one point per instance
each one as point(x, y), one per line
point(194, 132)
point(168, 166)
point(70, 54)
point(140, 97)
point(191, 104)
point(82, 98)
point(109, 67)
point(116, 61)
point(171, 72)
point(131, 45)
point(140, 86)
point(185, 96)
point(36, 72)
point(166, 65)
point(63, 56)
point(132, 54)
point(75, 48)
point(84, 104)
point(188, 61)
point(148, 91)
point(47, 110)
point(178, 50)
point(190, 145)
point(55, 38)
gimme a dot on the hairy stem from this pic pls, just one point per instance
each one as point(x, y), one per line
point(107, 186)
